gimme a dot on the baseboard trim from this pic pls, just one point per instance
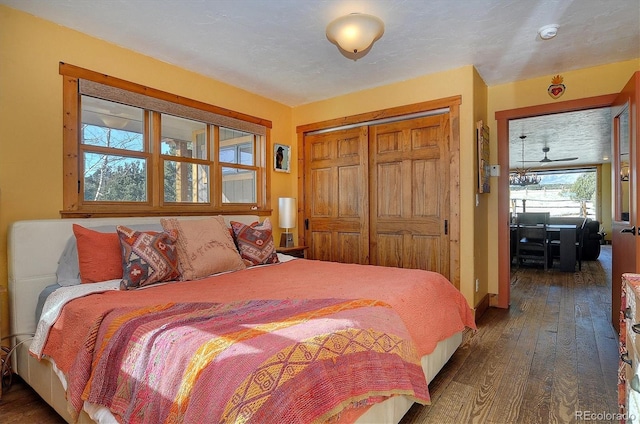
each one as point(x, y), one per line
point(481, 307)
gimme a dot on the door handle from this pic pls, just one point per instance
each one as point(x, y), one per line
point(631, 230)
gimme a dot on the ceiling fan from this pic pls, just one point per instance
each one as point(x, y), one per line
point(547, 160)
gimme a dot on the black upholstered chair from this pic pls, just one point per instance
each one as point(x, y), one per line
point(592, 241)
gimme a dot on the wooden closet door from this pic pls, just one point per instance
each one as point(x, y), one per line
point(409, 194)
point(336, 204)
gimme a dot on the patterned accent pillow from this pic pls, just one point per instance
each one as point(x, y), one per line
point(147, 257)
point(255, 242)
point(204, 247)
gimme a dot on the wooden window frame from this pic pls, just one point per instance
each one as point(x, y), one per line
point(73, 204)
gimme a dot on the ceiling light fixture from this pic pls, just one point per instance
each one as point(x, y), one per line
point(547, 32)
point(523, 176)
point(355, 33)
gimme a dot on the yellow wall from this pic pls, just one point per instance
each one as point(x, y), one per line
point(429, 87)
point(481, 260)
point(589, 82)
point(31, 113)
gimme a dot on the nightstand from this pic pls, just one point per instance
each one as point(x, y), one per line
point(297, 251)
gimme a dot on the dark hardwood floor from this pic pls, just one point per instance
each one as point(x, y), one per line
point(551, 355)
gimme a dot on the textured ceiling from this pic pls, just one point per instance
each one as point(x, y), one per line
point(278, 48)
point(584, 134)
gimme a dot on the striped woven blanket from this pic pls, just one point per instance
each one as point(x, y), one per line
point(284, 361)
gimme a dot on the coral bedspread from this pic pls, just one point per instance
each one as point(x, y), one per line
point(254, 361)
point(428, 305)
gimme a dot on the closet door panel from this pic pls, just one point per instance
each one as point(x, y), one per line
point(426, 197)
point(321, 201)
point(319, 241)
point(426, 252)
point(409, 182)
point(336, 197)
point(349, 198)
point(390, 250)
point(349, 249)
point(388, 204)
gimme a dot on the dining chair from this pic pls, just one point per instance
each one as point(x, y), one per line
point(580, 233)
point(533, 217)
point(580, 242)
point(532, 242)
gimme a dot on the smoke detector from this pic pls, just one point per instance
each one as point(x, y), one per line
point(547, 32)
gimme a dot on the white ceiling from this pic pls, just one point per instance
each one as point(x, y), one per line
point(585, 135)
point(278, 48)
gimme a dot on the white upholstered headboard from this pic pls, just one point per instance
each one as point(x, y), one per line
point(34, 248)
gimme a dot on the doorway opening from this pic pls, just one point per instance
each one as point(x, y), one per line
point(504, 119)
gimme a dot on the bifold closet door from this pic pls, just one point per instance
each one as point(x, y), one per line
point(336, 196)
point(409, 193)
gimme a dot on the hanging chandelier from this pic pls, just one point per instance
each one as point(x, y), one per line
point(523, 176)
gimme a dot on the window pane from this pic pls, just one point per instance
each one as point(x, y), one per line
point(567, 192)
point(114, 178)
point(236, 147)
point(183, 137)
point(238, 186)
point(228, 154)
point(186, 182)
point(110, 124)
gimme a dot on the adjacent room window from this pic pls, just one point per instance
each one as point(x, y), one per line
point(129, 148)
point(561, 192)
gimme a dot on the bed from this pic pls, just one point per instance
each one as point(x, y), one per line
point(297, 287)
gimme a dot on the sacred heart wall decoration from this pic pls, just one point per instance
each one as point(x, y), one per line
point(557, 88)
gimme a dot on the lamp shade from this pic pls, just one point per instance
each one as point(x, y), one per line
point(287, 212)
point(355, 32)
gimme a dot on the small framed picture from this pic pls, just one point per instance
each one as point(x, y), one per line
point(282, 158)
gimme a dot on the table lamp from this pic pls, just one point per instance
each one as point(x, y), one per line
point(287, 211)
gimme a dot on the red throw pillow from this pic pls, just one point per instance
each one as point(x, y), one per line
point(99, 255)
